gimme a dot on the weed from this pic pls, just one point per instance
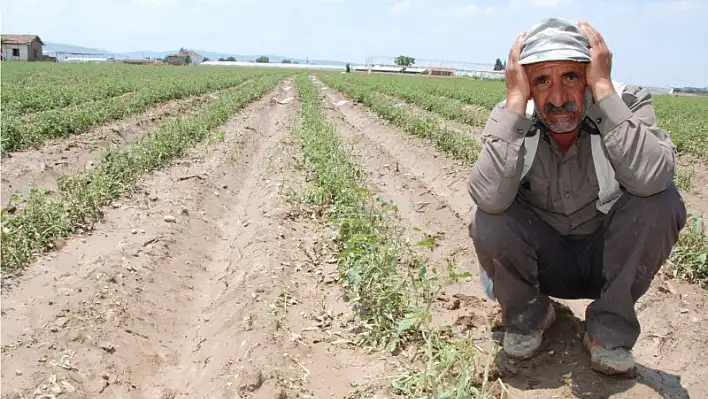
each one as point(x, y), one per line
point(689, 258)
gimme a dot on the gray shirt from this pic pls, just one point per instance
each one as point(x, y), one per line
point(562, 188)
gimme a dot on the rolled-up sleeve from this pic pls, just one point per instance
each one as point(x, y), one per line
point(494, 180)
point(642, 153)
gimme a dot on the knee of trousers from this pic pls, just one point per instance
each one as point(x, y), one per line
point(489, 232)
point(664, 211)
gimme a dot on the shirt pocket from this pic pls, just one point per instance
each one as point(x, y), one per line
point(536, 190)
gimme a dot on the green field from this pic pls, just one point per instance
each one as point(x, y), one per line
point(48, 101)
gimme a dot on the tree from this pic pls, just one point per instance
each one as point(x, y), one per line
point(231, 59)
point(404, 60)
point(187, 59)
point(263, 59)
point(498, 66)
point(206, 59)
point(348, 68)
point(286, 62)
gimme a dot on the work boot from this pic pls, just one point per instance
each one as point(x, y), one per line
point(617, 361)
point(525, 346)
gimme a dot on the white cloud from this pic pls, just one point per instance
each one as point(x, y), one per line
point(474, 9)
point(157, 3)
point(224, 1)
point(678, 6)
point(520, 4)
point(401, 6)
point(548, 3)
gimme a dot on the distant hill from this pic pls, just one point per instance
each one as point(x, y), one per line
point(60, 47)
point(52, 48)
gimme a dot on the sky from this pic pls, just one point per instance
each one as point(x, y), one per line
point(654, 42)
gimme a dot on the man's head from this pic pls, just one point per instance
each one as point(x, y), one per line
point(555, 54)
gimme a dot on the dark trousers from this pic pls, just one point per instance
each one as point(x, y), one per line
point(528, 261)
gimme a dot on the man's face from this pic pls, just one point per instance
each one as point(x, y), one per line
point(558, 90)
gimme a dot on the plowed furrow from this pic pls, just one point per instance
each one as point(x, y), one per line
point(41, 167)
point(114, 314)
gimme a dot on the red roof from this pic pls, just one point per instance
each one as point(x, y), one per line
point(186, 52)
point(19, 39)
point(441, 68)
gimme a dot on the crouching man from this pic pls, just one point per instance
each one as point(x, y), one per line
point(574, 192)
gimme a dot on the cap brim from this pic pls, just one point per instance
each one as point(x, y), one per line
point(555, 55)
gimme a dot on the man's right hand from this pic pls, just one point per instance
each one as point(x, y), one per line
point(518, 88)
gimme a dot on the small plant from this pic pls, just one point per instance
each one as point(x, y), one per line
point(689, 258)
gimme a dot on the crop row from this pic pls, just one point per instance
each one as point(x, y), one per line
point(76, 205)
point(392, 297)
point(411, 92)
point(20, 132)
point(684, 117)
point(459, 145)
point(25, 75)
point(79, 85)
point(483, 93)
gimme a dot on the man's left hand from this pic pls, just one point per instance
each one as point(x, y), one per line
point(598, 72)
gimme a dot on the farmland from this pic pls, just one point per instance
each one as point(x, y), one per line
point(225, 232)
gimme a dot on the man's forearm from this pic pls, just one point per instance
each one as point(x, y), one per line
point(494, 180)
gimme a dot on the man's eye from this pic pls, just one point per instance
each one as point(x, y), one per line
point(541, 81)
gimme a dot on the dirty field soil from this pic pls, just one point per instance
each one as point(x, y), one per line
point(238, 297)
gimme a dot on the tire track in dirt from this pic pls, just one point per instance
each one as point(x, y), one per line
point(42, 167)
point(445, 178)
point(110, 311)
point(417, 111)
point(418, 205)
point(668, 347)
point(267, 276)
point(696, 196)
point(463, 307)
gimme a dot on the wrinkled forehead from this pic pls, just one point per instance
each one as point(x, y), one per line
point(555, 68)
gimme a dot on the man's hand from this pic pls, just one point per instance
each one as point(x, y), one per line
point(598, 72)
point(518, 88)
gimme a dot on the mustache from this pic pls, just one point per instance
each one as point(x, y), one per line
point(568, 106)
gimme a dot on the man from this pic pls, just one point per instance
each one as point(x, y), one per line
point(574, 192)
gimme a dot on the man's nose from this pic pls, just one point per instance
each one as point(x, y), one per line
point(556, 96)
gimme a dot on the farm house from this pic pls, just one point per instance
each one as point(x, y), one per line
point(441, 71)
point(22, 47)
point(179, 58)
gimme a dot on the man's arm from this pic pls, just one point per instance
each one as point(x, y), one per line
point(494, 181)
point(642, 153)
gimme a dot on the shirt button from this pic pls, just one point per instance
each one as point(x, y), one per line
point(567, 194)
point(598, 120)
